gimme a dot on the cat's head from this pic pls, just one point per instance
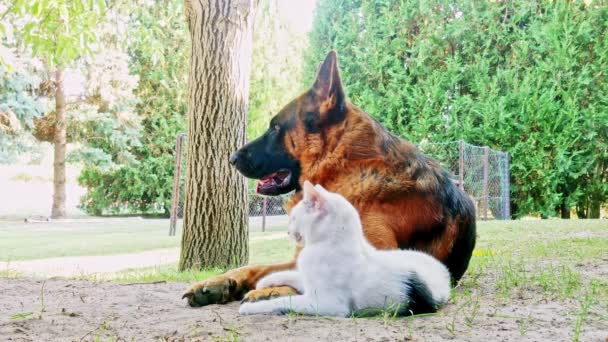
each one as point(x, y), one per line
point(322, 215)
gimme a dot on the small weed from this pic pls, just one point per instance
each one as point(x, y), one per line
point(451, 327)
point(510, 275)
point(469, 319)
point(21, 315)
point(99, 332)
point(587, 301)
point(523, 323)
point(559, 281)
point(231, 336)
point(10, 273)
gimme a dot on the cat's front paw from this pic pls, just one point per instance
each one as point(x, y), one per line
point(261, 308)
point(254, 309)
point(246, 309)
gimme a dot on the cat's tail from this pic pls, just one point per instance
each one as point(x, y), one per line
point(418, 298)
point(425, 296)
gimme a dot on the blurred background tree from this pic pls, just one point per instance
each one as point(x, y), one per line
point(58, 32)
point(159, 46)
point(524, 77)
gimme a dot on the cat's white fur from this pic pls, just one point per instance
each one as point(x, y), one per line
point(339, 272)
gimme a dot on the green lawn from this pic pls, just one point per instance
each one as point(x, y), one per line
point(527, 262)
point(21, 241)
point(260, 251)
point(557, 258)
point(517, 265)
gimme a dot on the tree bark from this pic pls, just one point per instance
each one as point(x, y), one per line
point(594, 210)
point(215, 230)
point(565, 210)
point(59, 146)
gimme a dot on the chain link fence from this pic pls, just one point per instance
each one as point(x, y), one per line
point(267, 205)
point(483, 173)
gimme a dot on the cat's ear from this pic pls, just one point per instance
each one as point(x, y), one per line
point(312, 195)
point(320, 188)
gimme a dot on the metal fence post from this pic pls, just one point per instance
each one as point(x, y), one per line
point(508, 188)
point(486, 154)
point(264, 207)
point(177, 171)
point(461, 165)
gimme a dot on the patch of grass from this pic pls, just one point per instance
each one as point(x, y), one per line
point(166, 272)
point(535, 262)
point(526, 261)
point(9, 273)
point(585, 305)
point(269, 251)
point(21, 315)
point(558, 281)
point(21, 241)
point(261, 251)
point(569, 249)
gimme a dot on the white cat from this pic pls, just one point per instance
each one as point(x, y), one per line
point(339, 273)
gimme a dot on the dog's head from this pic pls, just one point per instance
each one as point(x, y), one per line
point(275, 157)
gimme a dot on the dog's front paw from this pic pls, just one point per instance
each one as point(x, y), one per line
point(217, 290)
point(268, 293)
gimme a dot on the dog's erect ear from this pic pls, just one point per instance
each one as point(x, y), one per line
point(313, 196)
point(328, 85)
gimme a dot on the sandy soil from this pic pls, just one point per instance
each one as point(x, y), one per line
point(67, 310)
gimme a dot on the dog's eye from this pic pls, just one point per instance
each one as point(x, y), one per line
point(277, 128)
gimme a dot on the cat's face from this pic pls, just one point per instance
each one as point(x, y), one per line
point(321, 215)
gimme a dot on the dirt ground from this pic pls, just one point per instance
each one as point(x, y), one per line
point(69, 310)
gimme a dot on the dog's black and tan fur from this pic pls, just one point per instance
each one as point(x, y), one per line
point(405, 199)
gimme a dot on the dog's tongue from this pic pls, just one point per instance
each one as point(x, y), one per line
point(264, 183)
point(273, 180)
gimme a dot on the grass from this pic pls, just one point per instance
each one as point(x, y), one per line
point(535, 262)
point(526, 262)
point(261, 251)
point(21, 241)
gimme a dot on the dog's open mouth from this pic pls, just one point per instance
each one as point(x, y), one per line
point(276, 183)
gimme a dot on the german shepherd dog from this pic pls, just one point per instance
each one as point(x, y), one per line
point(405, 199)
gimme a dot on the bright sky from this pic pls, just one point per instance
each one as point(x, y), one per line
point(298, 13)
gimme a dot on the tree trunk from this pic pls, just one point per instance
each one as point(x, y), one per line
point(565, 210)
point(215, 219)
point(594, 210)
point(59, 145)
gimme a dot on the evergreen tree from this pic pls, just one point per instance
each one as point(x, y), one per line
point(525, 77)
